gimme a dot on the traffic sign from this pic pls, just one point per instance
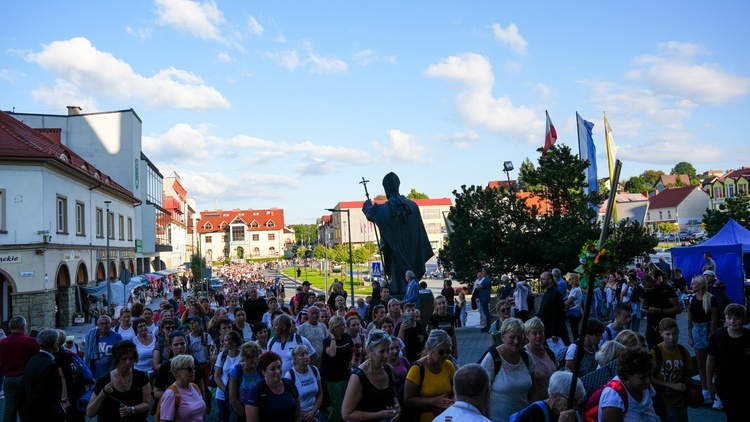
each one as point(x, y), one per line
point(376, 270)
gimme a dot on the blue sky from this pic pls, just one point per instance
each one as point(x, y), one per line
point(289, 103)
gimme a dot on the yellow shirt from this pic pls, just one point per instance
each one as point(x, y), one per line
point(672, 371)
point(434, 384)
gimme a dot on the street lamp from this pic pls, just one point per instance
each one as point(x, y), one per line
point(351, 264)
point(106, 271)
point(507, 168)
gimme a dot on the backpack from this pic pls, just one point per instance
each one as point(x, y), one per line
point(80, 373)
point(590, 412)
point(660, 358)
point(296, 337)
point(314, 369)
point(497, 361)
point(410, 413)
point(177, 399)
point(519, 415)
point(263, 391)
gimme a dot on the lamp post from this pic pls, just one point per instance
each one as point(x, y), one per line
point(106, 271)
point(351, 262)
point(507, 168)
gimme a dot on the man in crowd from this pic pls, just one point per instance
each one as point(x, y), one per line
point(254, 306)
point(98, 346)
point(659, 301)
point(562, 286)
point(710, 264)
point(620, 321)
point(412, 289)
point(472, 385)
point(15, 352)
point(552, 310)
point(484, 291)
point(301, 298)
point(42, 385)
point(314, 332)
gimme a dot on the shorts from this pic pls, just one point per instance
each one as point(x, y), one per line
point(700, 335)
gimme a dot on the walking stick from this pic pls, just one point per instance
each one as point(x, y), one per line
point(377, 238)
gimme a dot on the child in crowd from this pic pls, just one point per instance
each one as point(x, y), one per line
point(671, 373)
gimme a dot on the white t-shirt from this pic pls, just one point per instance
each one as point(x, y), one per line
point(307, 386)
point(285, 350)
point(225, 368)
point(145, 354)
point(576, 294)
point(127, 334)
point(642, 411)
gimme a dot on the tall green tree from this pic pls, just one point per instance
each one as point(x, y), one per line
point(631, 239)
point(737, 208)
point(651, 177)
point(413, 194)
point(305, 234)
point(683, 167)
point(636, 184)
point(196, 263)
point(526, 167)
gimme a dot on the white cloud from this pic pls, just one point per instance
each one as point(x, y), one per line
point(475, 103)
point(10, 75)
point(77, 64)
point(321, 64)
point(201, 19)
point(401, 146)
point(364, 57)
point(254, 27)
point(461, 140)
point(512, 66)
point(289, 59)
point(676, 73)
point(224, 57)
point(244, 186)
point(140, 33)
point(510, 37)
point(63, 94)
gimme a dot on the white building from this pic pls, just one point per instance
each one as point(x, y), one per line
point(56, 210)
point(683, 206)
point(175, 201)
point(112, 140)
point(243, 234)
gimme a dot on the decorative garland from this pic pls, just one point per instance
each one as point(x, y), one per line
point(595, 263)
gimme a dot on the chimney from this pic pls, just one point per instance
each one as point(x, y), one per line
point(52, 134)
point(74, 110)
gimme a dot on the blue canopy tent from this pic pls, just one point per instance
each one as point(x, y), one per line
point(728, 248)
point(118, 290)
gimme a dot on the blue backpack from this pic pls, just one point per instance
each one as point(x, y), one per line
point(518, 415)
point(82, 379)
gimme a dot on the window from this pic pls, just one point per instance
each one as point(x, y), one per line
point(2, 210)
point(111, 225)
point(223, 238)
point(669, 214)
point(717, 192)
point(432, 228)
point(254, 224)
point(430, 214)
point(741, 189)
point(80, 219)
point(256, 251)
point(238, 233)
point(648, 216)
point(130, 228)
point(121, 226)
point(62, 214)
point(270, 223)
point(660, 216)
point(99, 222)
point(256, 237)
point(271, 236)
point(730, 191)
point(209, 239)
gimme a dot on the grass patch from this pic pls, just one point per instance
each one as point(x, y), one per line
point(317, 279)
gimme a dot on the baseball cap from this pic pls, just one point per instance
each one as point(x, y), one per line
point(194, 318)
point(709, 272)
point(306, 283)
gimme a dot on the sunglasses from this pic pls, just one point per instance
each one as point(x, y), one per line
point(443, 352)
point(504, 310)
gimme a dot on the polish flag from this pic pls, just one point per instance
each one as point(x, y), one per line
point(550, 135)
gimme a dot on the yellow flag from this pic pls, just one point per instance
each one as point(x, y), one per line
point(611, 156)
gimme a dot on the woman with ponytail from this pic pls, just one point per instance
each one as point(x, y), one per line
point(703, 319)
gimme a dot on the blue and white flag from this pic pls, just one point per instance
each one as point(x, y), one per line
point(587, 152)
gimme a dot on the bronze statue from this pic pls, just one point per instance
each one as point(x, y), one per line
point(404, 242)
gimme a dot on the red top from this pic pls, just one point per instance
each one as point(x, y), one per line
point(15, 352)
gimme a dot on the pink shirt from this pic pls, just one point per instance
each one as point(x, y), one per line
point(191, 408)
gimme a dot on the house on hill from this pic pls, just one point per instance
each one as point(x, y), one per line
point(683, 206)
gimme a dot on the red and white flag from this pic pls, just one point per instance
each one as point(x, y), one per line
point(550, 134)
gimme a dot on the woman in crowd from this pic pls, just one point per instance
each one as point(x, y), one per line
point(394, 312)
point(161, 349)
point(378, 312)
point(635, 291)
point(442, 320)
point(145, 342)
point(191, 407)
point(200, 346)
point(513, 380)
point(232, 343)
point(337, 355)
point(307, 380)
point(337, 289)
point(594, 332)
point(436, 392)
point(214, 323)
point(632, 383)
point(195, 310)
point(397, 361)
point(273, 306)
point(632, 340)
point(260, 335)
point(126, 329)
point(354, 329)
point(386, 324)
point(503, 313)
point(606, 358)
point(148, 315)
point(241, 326)
point(242, 378)
point(556, 402)
point(124, 392)
point(610, 295)
point(340, 306)
point(370, 394)
point(573, 302)
point(544, 358)
point(728, 361)
point(461, 311)
point(703, 319)
point(281, 403)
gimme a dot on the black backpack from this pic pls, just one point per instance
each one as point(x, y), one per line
point(410, 413)
point(497, 361)
point(263, 391)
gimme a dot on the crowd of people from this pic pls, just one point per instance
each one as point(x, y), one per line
point(255, 355)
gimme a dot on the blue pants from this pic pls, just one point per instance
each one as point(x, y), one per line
point(224, 409)
point(485, 306)
point(13, 387)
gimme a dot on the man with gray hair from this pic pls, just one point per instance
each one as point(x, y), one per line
point(15, 352)
point(472, 385)
point(412, 289)
point(314, 332)
point(42, 385)
point(562, 286)
point(98, 346)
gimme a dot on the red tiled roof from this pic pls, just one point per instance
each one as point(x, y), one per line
point(512, 185)
point(625, 197)
point(420, 202)
point(671, 179)
point(216, 217)
point(736, 174)
point(18, 141)
point(671, 197)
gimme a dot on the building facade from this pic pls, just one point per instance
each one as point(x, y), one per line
point(59, 216)
point(683, 206)
point(175, 201)
point(728, 185)
point(241, 235)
